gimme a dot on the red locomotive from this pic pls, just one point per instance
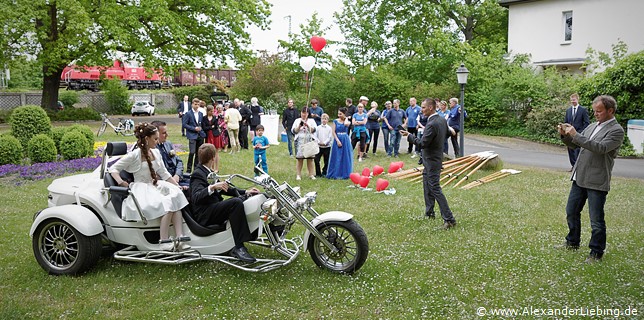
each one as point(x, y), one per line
point(87, 78)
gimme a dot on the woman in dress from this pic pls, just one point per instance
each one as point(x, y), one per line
point(256, 115)
point(223, 129)
point(157, 198)
point(303, 129)
point(213, 135)
point(341, 161)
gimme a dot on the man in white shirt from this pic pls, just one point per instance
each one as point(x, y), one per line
point(233, 117)
point(324, 137)
point(183, 108)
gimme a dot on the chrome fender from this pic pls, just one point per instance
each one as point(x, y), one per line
point(81, 218)
point(326, 217)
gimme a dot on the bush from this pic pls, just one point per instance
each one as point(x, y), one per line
point(41, 148)
point(5, 115)
point(199, 92)
point(10, 150)
point(89, 136)
point(117, 96)
point(542, 121)
point(57, 134)
point(28, 121)
point(74, 114)
point(68, 98)
point(627, 150)
point(73, 145)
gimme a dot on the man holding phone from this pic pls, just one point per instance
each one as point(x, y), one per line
point(431, 146)
point(395, 119)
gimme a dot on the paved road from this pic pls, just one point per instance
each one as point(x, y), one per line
point(513, 151)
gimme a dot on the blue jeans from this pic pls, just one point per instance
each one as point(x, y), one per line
point(596, 200)
point(290, 136)
point(394, 142)
point(264, 164)
point(385, 137)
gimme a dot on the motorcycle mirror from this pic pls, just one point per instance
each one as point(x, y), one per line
point(212, 178)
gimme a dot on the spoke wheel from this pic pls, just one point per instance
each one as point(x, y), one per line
point(127, 130)
point(101, 130)
point(350, 240)
point(61, 250)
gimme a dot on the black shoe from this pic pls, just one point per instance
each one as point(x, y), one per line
point(449, 224)
point(243, 255)
point(567, 246)
point(592, 258)
point(430, 215)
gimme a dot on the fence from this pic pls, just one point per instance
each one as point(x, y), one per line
point(95, 100)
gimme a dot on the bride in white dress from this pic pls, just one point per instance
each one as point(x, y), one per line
point(157, 193)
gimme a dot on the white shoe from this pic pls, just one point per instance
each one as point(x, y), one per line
point(298, 178)
point(183, 246)
point(359, 159)
point(167, 246)
point(312, 177)
point(413, 156)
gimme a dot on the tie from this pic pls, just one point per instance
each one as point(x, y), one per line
point(163, 150)
point(574, 113)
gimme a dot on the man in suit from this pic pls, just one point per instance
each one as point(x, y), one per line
point(209, 207)
point(431, 145)
point(245, 113)
point(191, 122)
point(182, 108)
point(171, 161)
point(599, 144)
point(577, 116)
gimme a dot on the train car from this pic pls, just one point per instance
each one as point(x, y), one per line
point(87, 78)
point(204, 76)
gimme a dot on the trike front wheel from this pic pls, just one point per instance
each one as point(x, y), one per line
point(348, 238)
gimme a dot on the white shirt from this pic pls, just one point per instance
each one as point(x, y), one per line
point(186, 106)
point(324, 135)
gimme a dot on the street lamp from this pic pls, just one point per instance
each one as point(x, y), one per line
point(461, 75)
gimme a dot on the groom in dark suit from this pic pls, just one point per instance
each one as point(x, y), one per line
point(591, 174)
point(577, 116)
point(191, 122)
point(431, 144)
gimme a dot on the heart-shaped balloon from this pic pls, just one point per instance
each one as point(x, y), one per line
point(307, 63)
point(381, 184)
point(355, 178)
point(318, 43)
point(366, 172)
point(377, 170)
point(364, 181)
point(400, 164)
point(393, 167)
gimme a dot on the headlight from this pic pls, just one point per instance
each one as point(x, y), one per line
point(270, 205)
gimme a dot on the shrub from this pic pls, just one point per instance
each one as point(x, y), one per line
point(41, 148)
point(73, 145)
point(89, 136)
point(117, 96)
point(5, 115)
point(57, 134)
point(74, 114)
point(542, 121)
point(28, 121)
point(68, 98)
point(10, 150)
point(627, 150)
point(199, 92)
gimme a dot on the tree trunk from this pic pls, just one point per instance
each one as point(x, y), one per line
point(51, 82)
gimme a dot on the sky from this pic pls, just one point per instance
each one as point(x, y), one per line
point(300, 11)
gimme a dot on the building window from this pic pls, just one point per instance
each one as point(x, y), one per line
point(567, 26)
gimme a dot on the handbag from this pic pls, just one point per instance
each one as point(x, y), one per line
point(311, 148)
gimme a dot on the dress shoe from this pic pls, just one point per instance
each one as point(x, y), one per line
point(570, 170)
point(431, 216)
point(449, 224)
point(242, 254)
point(566, 246)
point(592, 258)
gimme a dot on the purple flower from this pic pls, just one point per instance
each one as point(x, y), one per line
point(39, 171)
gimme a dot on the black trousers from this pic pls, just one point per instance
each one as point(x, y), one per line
point(362, 139)
point(411, 145)
point(232, 210)
point(243, 136)
point(433, 192)
point(193, 160)
point(454, 139)
point(324, 153)
point(374, 133)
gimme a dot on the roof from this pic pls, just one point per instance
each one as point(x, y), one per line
point(507, 3)
point(567, 61)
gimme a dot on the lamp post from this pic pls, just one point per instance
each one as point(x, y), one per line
point(461, 75)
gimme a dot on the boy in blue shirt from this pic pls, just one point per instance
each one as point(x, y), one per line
point(260, 144)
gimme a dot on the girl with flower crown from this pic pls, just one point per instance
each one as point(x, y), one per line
point(157, 193)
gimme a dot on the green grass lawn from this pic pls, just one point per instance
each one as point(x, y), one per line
point(499, 256)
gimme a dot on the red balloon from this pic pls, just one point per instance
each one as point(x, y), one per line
point(381, 184)
point(400, 164)
point(393, 167)
point(318, 43)
point(364, 181)
point(355, 178)
point(366, 172)
point(378, 170)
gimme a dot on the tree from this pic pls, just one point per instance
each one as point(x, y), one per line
point(157, 33)
point(262, 79)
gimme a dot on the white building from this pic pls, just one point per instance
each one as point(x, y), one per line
point(558, 32)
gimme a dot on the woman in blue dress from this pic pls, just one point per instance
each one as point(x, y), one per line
point(341, 161)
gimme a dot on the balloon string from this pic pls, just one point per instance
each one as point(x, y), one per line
point(308, 95)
